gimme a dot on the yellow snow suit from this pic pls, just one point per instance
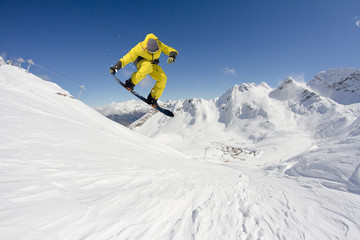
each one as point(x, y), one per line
point(146, 63)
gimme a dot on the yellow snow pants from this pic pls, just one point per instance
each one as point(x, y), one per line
point(155, 71)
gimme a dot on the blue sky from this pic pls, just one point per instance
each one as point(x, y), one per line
point(220, 43)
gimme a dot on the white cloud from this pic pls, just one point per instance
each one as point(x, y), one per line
point(229, 71)
point(357, 21)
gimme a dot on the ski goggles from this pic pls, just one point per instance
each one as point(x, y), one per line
point(153, 51)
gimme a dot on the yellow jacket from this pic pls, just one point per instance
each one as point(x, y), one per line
point(140, 51)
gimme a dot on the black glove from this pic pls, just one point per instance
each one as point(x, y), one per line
point(112, 71)
point(115, 68)
point(172, 57)
point(170, 60)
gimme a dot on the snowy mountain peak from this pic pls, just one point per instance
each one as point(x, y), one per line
point(288, 89)
point(243, 102)
point(265, 85)
point(292, 90)
point(300, 98)
point(244, 91)
point(288, 80)
point(342, 85)
point(244, 87)
point(332, 76)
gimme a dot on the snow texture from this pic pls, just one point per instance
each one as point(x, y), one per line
point(255, 163)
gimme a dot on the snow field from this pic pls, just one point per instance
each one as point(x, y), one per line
point(302, 146)
point(279, 167)
point(69, 173)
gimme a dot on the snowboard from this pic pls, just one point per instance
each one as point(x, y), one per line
point(157, 107)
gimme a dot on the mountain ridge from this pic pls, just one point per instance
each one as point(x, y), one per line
point(342, 85)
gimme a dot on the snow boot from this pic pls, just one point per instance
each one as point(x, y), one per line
point(151, 101)
point(129, 85)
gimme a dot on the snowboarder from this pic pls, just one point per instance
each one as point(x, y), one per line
point(145, 56)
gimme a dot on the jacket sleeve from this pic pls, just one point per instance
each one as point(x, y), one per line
point(132, 55)
point(168, 50)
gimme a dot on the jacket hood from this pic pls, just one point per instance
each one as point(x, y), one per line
point(149, 36)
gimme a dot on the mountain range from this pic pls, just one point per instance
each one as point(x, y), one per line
point(252, 118)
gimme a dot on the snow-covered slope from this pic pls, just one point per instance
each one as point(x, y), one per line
point(272, 124)
point(315, 114)
point(248, 165)
point(333, 128)
point(124, 113)
point(67, 172)
point(342, 85)
point(290, 131)
point(245, 116)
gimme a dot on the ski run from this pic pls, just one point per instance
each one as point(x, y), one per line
point(255, 163)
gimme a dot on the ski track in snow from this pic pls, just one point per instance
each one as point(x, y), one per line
point(66, 172)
